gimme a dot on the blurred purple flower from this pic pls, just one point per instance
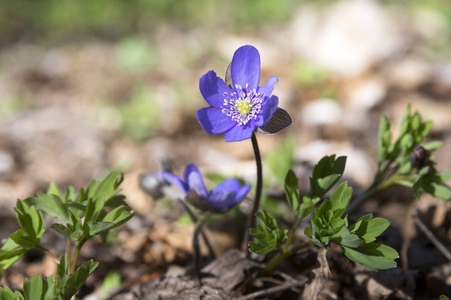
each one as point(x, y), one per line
point(239, 110)
point(223, 197)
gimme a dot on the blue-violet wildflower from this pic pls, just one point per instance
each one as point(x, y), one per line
point(237, 111)
point(223, 197)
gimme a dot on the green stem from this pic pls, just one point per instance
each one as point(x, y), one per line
point(73, 266)
point(169, 192)
point(259, 187)
point(291, 234)
point(69, 252)
point(283, 254)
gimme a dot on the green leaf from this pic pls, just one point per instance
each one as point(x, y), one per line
point(439, 190)
point(326, 174)
point(341, 197)
point(267, 235)
point(62, 268)
point(7, 294)
point(444, 176)
point(22, 240)
point(10, 253)
point(443, 297)
point(433, 145)
point(63, 230)
point(374, 256)
point(93, 208)
point(369, 230)
point(73, 282)
point(119, 216)
point(51, 204)
point(107, 188)
point(54, 190)
point(306, 206)
point(30, 220)
point(33, 289)
point(52, 286)
point(292, 190)
point(95, 228)
point(348, 239)
point(70, 195)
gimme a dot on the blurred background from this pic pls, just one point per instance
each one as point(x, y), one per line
point(92, 86)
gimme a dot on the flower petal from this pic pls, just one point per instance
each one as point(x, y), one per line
point(228, 185)
point(213, 120)
point(242, 192)
point(269, 86)
point(174, 180)
point(222, 200)
point(246, 67)
point(194, 180)
point(268, 108)
point(240, 133)
point(213, 88)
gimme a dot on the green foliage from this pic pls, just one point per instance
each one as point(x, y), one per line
point(56, 287)
point(357, 241)
point(267, 235)
point(94, 211)
point(325, 175)
point(85, 215)
point(408, 158)
point(443, 297)
point(301, 209)
point(28, 237)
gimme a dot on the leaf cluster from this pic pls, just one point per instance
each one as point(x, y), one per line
point(29, 235)
point(356, 240)
point(325, 175)
point(61, 286)
point(400, 158)
point(94, 211)
point(267, 235)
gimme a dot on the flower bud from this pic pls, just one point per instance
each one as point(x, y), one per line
point(419, 157)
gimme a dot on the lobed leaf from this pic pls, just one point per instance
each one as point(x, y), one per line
point(326, 174)
point(375, 256)
point(51, 204)
point(71, 283)
point(267, 235)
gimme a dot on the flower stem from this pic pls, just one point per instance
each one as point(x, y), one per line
point(259, 187)
point(196, 250)
point(169, 192)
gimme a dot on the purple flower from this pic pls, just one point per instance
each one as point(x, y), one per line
point(237, 111)
point(223, 197)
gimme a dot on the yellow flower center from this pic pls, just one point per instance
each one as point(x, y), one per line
point(244, 106)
